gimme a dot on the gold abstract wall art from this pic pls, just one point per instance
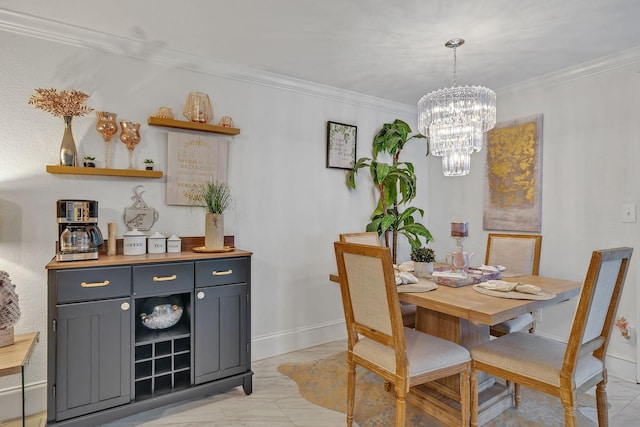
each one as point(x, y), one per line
point(513, 177)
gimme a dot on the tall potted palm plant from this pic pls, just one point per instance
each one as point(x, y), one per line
point(396, 187)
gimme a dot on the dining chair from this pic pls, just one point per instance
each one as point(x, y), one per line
point(520, 254)
point(371, 238)
point(377, 339)
point(556, 368)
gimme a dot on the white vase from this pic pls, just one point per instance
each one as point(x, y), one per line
point(422, 269)
point(214, 231)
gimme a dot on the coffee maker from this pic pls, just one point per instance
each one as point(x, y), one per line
point(78, 234)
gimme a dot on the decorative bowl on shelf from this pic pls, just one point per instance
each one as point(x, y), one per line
point(161, 312)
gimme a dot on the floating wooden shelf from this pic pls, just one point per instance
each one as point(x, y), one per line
point(180, 124)
point(72, 170)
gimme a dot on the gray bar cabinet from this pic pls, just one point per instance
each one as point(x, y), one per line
point(105, 362)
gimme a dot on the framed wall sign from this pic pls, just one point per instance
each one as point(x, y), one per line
point(341, 145)
point(192, 159)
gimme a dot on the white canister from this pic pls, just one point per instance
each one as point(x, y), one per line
point(156, 243)
point(174, 244)
point(135, 242)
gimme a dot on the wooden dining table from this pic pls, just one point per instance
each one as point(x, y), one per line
point(463, 315)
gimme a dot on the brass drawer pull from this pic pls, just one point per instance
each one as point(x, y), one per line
point(94, 285)
point(221, 273)
point(164, 279)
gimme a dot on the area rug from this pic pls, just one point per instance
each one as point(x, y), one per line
point(324, 383)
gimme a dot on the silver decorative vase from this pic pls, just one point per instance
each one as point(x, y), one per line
point(68, 152)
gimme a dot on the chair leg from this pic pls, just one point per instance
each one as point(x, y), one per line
point(401, 408)
point(516, 395)
point(601, 402)
point(569, 398)
point(464, 397)
point(473, 380)
point(532, 329)
point(351, 389)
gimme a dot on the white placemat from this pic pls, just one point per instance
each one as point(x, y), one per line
point(542, 295)
point(423, 285)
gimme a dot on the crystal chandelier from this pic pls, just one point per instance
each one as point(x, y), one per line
point(455, 120)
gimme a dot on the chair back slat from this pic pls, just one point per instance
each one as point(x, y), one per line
point(517, 252)
point(602, 294)
point(368, 293)
point(364, 238)
point(597, 305)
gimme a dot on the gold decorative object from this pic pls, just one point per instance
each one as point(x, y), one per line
point(107, 126)
point(198, 108)
point(63, 103)
point(165, 113)
point(226, 122)
point(130, 137)
point(66, 104)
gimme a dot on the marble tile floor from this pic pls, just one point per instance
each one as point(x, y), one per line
point(275, 402)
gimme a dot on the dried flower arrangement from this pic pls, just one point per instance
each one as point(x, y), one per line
point(63, 103)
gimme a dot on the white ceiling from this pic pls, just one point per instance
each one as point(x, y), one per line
point(392, 49)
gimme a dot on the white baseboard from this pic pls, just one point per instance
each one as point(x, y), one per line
point(296, 339)
point(621, 367)
point(11, 400)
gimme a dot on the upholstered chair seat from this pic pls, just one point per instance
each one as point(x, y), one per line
point(425, 353)
point(520, 323)
point(536, 357)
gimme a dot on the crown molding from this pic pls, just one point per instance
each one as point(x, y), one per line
point(153, 52)
point(626, 58)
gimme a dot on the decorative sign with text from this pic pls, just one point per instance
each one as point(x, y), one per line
point(192, 159)
point(341, 145)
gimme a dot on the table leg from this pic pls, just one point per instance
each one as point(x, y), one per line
point(493, 398)
point(22, 375)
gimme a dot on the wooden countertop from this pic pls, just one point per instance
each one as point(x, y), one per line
point(106, 260)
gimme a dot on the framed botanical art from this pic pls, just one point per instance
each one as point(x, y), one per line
point(513, 180)
point(341, 145)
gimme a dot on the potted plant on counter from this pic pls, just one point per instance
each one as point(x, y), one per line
point(148, 164)
point(423, 259)
point(215, 197)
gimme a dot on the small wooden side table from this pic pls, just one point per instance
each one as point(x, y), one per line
point(13, 358)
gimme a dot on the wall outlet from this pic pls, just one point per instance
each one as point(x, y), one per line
point(628, 212)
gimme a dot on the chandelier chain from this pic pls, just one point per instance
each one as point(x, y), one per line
point(455, 63)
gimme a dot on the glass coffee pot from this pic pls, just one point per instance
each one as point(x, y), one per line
point(80, 238)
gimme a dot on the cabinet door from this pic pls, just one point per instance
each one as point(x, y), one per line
point(93, 359)
point(220, 342)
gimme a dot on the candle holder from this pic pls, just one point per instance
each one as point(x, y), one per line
point(459, 260)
